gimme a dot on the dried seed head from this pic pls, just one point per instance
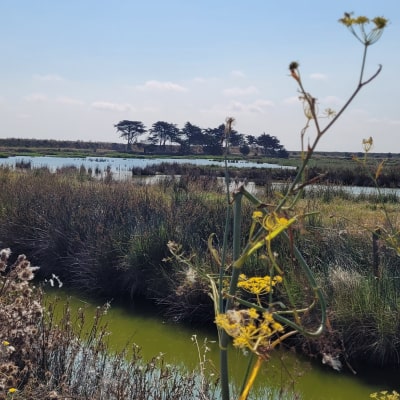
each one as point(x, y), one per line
point(5, 254)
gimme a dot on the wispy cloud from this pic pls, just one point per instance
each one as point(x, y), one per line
point(258, 106)
point(35, 97)
point(162, 86)
point(331, 100)
point(233, 92)
point(105, 105)
point(201, 79)
point(48, 77)
point(237, 73)
point(69, 100)
point(291, 100)
point(235, 107)
point(318, 76)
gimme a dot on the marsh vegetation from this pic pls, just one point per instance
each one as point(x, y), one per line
point(109, 240)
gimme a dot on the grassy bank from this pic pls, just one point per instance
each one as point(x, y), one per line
point(109, 239)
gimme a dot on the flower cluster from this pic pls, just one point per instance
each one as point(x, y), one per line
point(364, 36)
point(258, 285)
point(250, 329)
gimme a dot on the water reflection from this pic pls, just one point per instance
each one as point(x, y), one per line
point(122, 165)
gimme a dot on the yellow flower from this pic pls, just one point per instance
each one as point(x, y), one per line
point(257, 214)
point(242, 277)
point(380, 22)
point(365, 36)
point(259, 285)
point(12, 390)
point(248, 328)
point(253, 313)
point(5, 343)
point(361, 20)
point(276, 326)
point(242, 342)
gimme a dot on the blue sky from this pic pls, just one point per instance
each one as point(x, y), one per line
point(71, 69)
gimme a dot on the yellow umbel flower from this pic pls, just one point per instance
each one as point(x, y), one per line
point(249, 328)
point(365, 35)
point(258, 285)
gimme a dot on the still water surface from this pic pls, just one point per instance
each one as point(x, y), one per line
point(120, 166)
point(155, 336)
point(121, 169)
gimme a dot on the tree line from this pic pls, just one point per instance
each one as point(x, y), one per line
point(191, 138)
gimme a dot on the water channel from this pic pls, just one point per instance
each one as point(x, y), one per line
point(313, 381)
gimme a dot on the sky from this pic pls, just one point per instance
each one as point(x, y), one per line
point(72, 69)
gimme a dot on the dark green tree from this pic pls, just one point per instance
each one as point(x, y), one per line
point(236, 139)
point(245, 149)
point(193, 134)
point(130, 131)
point(271, 146)
point(214, 139)
point(162, 132)
point(251, 140)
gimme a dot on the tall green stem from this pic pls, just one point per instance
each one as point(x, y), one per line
point(237, 215)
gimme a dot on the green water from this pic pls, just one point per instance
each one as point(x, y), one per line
point(174, 341)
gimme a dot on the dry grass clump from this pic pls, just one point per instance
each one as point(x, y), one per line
point(366, 310)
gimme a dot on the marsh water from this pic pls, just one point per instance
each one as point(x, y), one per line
point(121, 169)
point(312, 380)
